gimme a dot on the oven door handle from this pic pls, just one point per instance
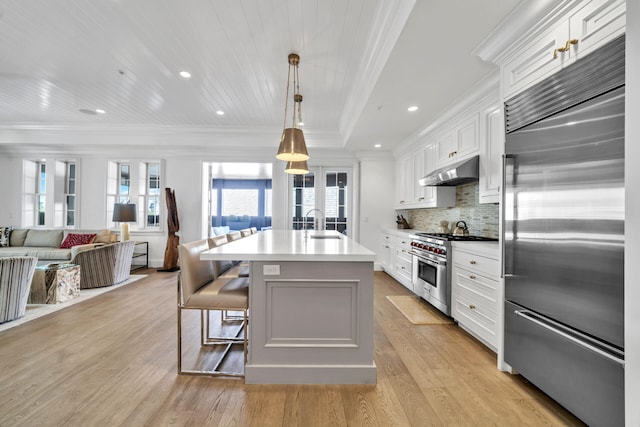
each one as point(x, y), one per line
point(431, 262)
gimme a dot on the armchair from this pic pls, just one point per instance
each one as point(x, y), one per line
point(16, 274)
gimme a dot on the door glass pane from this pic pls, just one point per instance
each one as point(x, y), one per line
point(304, 200)
point(336, 197)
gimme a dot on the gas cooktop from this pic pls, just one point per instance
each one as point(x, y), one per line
point(449, 236)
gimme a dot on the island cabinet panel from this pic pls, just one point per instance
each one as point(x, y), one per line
point(311, 324)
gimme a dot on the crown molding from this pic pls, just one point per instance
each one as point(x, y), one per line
point(538, 14)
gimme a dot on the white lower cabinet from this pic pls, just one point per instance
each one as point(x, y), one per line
point(477, 290)
point(399, 265)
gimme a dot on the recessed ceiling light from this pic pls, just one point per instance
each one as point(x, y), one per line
point(185, 74)
point(100, 111)
point(220, 113)
point(377, 146)
point(412, 108)
point(87, 111)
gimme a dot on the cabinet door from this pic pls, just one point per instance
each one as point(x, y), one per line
point(597, 22)
point(535, 60)
point(492, 131)
point(444, 148)
point(466, 141)
point(384, 257)
point(404, 180)
point(423, 163)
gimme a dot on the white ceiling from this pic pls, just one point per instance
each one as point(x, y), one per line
point(363, 62)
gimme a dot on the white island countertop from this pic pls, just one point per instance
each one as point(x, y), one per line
point(292, 245)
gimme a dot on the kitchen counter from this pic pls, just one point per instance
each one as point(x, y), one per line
point(292, 245)
point(310, 305)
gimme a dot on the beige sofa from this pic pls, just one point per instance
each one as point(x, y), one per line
point(101, 264)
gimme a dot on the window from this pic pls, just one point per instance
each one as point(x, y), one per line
point(150, 194)
point(34, 201)
point(124, 183)
point(140, 183)
point(41, 193)
point(240, 203)
point(70, 195)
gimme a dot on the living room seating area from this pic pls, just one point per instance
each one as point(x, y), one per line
point(103, 261)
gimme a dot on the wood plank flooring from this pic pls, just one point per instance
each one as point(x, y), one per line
point(111, 361)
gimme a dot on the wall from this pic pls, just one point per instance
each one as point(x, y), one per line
point(377, 173)
point(632, 217)
point(481, 219)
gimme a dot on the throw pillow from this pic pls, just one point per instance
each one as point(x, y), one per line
point(103, 237)
point(5, 232)
point(77, 239)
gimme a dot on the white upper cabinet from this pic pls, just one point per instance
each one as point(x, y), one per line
point(410, 194)
point(404, 183)
point(568, 35)
point(492, 132)
point(459, 142)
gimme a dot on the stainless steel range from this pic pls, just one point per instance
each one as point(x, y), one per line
point(431, 273)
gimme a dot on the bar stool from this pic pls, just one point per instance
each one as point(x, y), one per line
point(201, 288)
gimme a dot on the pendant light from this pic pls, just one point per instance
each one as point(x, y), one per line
point(292, 145)
point(297, 168)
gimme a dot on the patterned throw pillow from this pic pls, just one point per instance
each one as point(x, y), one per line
point(5, 232)
point(77, 239)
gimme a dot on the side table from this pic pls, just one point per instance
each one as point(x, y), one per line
point(141, 249)
point(54, 283)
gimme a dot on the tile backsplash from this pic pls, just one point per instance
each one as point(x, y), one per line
point(481, 219)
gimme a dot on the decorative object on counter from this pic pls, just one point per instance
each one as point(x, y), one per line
point(402, 223)
point(417, 311)
point(444, 227)
point(124, 213)
point(292, 145)
point(173, 240)
point(461, 229)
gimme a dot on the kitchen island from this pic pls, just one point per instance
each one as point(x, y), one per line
point(310, 307)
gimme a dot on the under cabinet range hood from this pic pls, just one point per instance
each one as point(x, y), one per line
point(453, 174)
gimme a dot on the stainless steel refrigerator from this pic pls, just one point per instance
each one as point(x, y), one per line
point(563, 231)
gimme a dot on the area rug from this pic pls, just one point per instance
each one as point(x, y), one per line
point(418, 311)
point(38, 310)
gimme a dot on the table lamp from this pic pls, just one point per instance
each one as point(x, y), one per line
point(124, 213)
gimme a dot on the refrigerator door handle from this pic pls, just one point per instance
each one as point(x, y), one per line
point(505, 160)
point(526, 314)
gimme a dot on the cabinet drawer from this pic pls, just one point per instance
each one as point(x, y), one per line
point(476, 263)
point(477, 320)
point(403, 267)
point(478, 290)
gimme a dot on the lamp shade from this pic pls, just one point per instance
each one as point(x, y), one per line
point(292, 146)
point(124, 212)
point(297, 168)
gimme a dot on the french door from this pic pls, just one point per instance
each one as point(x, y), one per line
point(321, 200)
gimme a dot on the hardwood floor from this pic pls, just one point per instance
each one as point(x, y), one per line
point(111, 361)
